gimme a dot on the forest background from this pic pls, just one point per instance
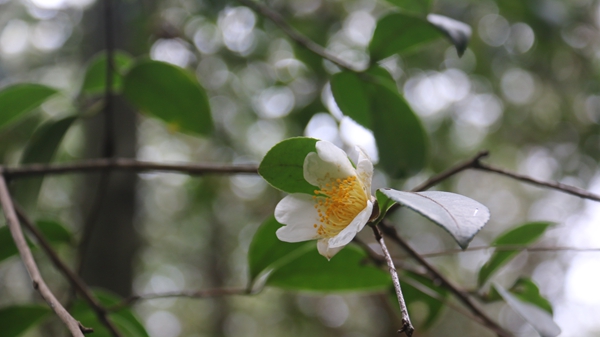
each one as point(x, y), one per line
point(525, 89)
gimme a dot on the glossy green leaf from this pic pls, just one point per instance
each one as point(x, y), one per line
point(459, 33)
point(124, 319)
point(522, 235)
point(415, 6)
point(266, 250)
point(170, 94)
point(282, 166)
point(95, 77)
point(18, 99)
point(39, 150)
point(399, 33)
point(539, 319)
point(372, 100)
point(16, 320)
point(401, 139)
point(348, 270)
point(350, 96)
point(419, 289)
point(460, 216)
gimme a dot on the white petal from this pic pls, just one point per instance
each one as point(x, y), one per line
point(326, 250)
point(330, 161)
point(298, 213)
point(364, 169)
point(347, 234)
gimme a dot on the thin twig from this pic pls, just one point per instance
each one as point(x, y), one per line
point(436, 179)
point(94, 165)
point(72, 324)
point(407, 326)
point(427, 291)
point(391, 232)
point(207, 293)
point(295, 35)
point(378, 260)
point(512, 248)
point(530, 180)
point(75, 281)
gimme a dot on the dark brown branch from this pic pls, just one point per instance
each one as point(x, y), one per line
point(197, 294)
point(407, 326)
point(553, 185)
point(75, 281)
point(462, 296)
point(295, 35)
point(438, 178)
point(95, 165)
point(72, 324)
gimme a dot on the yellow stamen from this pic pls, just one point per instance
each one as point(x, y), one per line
point(339, 202)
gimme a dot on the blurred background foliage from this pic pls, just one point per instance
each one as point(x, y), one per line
point(526, 89)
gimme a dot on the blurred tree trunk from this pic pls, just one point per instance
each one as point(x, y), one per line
point(109, 199)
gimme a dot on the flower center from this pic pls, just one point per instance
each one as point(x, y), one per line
point(338, 202)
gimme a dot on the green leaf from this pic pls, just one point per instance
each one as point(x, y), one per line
point(460, 216)
point(384, 203)
point(372, 100)
point(95, 77)
point(400, 33)
point(53, 231)
point(40, 149)
point(16, 320)
point(416, 6)
point(459, 33)
point(526, 290)
point(522, 235)
point(347, 271)
point(417, 288)
point(539, 319)
point(266, 250)
point(282, 166)
point(124, 319)
point(299, 266)
point(401, 139)
point(170, 94)
point(18, 99)
point(7, 245)
point(350, 96)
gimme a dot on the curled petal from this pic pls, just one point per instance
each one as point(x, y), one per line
point(298, 213)
point(326, 250)
point(347, 234)
point(329, 161)
point(364, 170)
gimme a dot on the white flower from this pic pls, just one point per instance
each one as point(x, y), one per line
point(338, 210)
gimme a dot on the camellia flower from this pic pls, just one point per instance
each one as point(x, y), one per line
point(338, 210)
